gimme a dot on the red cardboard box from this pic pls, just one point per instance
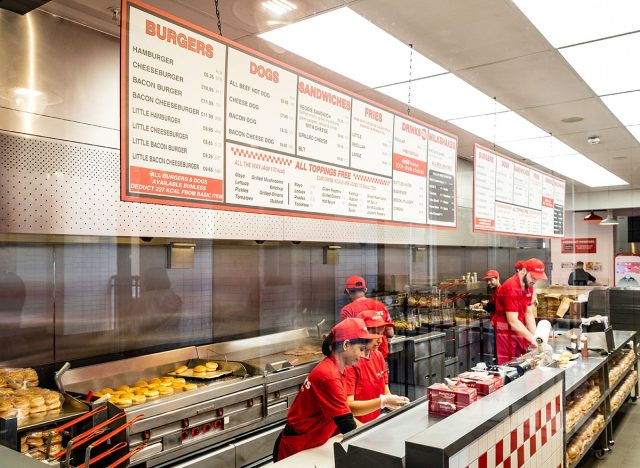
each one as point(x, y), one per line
point(460, 395)
point(483, 384)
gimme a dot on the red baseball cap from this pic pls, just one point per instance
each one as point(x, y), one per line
point(535, 268)
point(355, 282)
point(352, 329)
point(491, 274)
point(520, 264)
point(373, 318)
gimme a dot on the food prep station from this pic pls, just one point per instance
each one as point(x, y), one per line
point(230, 421)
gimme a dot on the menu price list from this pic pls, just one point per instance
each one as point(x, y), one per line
point(243, 130)
point(261, 178)
point(175, 119)
point(513, 198)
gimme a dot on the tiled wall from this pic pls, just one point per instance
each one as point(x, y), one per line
point(532, 437)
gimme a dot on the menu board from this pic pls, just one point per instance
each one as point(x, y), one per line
point(209, 123)
point(510, 197)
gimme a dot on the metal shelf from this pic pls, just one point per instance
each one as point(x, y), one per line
point(587, 415)
point(588, 446)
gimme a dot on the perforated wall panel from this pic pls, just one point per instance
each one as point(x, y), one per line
point(56, 187)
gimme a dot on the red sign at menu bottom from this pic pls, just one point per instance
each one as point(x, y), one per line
point(173, 184)
point(484, 223)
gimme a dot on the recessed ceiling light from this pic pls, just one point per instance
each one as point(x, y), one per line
point(620, 158)
point(572, 119)
point(593, 140)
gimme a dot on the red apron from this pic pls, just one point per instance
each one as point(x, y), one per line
point(510, 297)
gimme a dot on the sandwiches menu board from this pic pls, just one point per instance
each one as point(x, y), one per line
point(209, 123)
point(510, 197)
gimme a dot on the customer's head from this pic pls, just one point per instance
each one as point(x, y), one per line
point(579, 264)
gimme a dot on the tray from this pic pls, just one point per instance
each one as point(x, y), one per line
point(221, 371)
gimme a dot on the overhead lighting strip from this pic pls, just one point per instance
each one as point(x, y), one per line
point(359, 50)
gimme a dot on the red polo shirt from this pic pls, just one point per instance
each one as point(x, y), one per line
point(510, 297)
point(366, 380)
point(360, 305)
point(322, 397)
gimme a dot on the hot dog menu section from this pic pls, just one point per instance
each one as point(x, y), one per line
point(513, 198)
point(209, 124)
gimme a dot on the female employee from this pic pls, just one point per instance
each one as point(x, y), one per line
point(368, 379)
point(320, 409)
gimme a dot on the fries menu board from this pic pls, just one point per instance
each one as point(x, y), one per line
point(510, 197)
point(209, 123)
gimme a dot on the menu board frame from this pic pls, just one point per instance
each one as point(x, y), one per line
point(131, 196)
point(475, 229)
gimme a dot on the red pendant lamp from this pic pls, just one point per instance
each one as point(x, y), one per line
point(592, 217)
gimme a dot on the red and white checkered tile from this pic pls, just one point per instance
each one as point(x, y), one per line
point(261, 156)
point(530, 438)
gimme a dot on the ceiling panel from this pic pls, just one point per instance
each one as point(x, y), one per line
point(532, 80)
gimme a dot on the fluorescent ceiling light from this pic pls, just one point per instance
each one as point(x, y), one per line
point(608, 66)
point(581, 169)
point(446, 97)
point(500, 127)
point(567, 22)
point(635, 131)
point(625, 106)
point(538, 148)
point(345, 42)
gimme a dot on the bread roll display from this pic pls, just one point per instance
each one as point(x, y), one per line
point(18, 378)
point(622, 391)
point(583, 438)
point(34, 444)
point(30, 401)
point(619, 363)
point(581, 401)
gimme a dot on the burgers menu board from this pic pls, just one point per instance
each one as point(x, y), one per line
point(208, 123)
point(512, 198)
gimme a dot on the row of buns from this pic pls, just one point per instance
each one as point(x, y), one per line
point(619, 395)
point(143, 391)
point(619, 363)
point(18, 377)
point(581, 401)
point(31, 400)
point(581, 439)
point(34, 444)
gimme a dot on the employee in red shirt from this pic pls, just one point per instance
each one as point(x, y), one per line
point(514, 322)
point(320, 409)
point(493, 283)
point(368, 380)
point(356, 288)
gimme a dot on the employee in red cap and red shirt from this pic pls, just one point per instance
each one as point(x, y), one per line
point(514, 321)
point(320, 409)
point(367, 380)
point(493, 282)
point(355, 288)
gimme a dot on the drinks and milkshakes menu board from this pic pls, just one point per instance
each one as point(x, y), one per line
point(209, 123)
point(510, 197)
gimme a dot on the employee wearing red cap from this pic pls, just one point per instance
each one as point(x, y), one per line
point(493, 283)
point(320, 409)
point(356, 288)
point(367, 380)
point(514, 322)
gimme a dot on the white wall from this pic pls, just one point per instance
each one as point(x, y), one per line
point(576, 227)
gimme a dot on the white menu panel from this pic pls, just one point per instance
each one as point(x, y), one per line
point(175, 118)
point(323, 123)
point(209, 123)
point(371, 138)
point(261, 103)
point(513, 198)
point(410, 152)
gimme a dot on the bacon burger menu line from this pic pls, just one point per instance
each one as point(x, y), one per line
point(253, 133)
